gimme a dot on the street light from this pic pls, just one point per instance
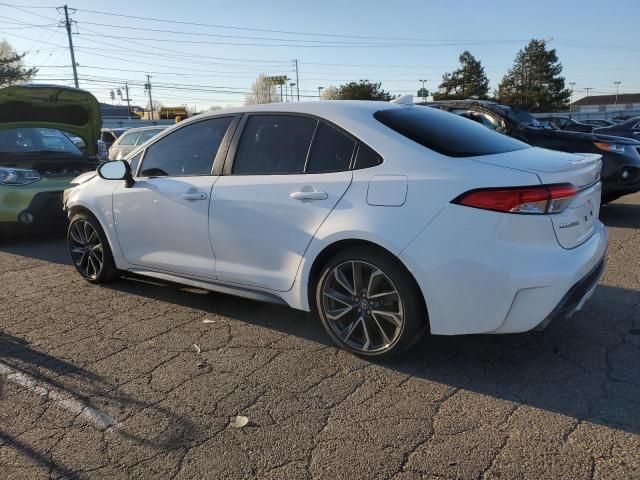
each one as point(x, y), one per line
point(320, 92)
point(617, 84)
point(424, 97)
point(573, 84)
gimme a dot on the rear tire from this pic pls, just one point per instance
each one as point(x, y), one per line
point(369, 303)
point(89, 249)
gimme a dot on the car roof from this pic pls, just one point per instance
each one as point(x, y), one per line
point(324, 108)
point(142, 129)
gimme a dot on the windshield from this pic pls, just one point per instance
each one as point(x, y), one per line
point(36, 140)
point(520, 116)
point(447, 133)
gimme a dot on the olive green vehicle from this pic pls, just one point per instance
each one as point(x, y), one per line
point(38, 156)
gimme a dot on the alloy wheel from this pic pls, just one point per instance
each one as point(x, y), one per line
point(86, 249)
point(363, 307)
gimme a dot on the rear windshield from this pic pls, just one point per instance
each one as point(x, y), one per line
point(446, 133)
point(29, 140)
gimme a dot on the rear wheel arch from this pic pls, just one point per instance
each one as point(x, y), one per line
point(328, 252)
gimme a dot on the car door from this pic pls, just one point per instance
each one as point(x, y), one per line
point(284, 174)
point(162, 221)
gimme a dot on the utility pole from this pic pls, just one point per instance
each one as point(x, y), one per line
point(617, 84)
point(126, 89)
point(147, 87)
point(320, 92)
point(297, 84)
point(67, 26)
point(573, 84)
point(586, 102)
point(292, 84)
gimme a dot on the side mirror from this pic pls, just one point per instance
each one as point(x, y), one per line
point(116, 170)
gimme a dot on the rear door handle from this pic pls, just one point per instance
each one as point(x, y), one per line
point(195, 196)
point(309, 195)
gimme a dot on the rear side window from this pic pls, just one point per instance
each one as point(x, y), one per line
point(146, 135)
point(332, 151)
point(446, 133)
point(129, 138)
point(366, 158)
point(274, 144)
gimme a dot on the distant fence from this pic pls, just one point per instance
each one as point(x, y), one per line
point(587, 115)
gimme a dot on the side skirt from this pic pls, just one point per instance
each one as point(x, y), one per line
point(213, 286)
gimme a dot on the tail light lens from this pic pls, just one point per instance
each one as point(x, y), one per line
point(539, 199)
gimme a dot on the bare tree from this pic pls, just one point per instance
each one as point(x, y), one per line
point(330, 93)
point(12, 69)
point(262, 91)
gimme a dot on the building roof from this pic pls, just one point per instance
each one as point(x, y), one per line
point(623, 98)
point(107, 110)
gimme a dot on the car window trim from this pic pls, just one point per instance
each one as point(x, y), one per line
point(216, 166)
point(227, 168)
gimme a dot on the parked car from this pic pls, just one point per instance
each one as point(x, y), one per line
point(37, 158)
point(620, 156)
point(107, 137)
point(599, 122)
point(387, 220)
point(130, 140)
point(628, 129)
point(566, 123)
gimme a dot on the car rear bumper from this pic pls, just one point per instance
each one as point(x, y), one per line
point(484, 272)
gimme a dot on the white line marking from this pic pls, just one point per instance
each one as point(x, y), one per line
point(64, 399)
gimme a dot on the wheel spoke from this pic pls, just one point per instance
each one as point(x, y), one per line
point(383, 334)
point(348, 331)
point(338, 297)
point(394, 318)
point(367, 336)
point(76, 235)
point(342, 280)
point(383, 294)
point(376, 274)
point(338, 312)
point(93, 238)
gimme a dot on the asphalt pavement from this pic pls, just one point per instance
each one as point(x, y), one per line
point(143, 379)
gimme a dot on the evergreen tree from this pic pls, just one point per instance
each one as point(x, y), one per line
point(12, 69)
point(534, 83)
point(469, 81)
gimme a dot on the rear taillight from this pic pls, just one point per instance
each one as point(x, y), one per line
point(539, 199)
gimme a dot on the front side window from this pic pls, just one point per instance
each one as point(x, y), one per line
point(446, 133)
point(274, 144)
point(189, 151)
point(332, 150)
point(134, 162)
point(129, 138)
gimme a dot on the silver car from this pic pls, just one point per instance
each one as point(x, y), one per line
point(129, 140)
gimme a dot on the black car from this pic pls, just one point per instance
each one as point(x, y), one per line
point(566, 123)
point(620, 156)
point(599, 122)
point(629, 129)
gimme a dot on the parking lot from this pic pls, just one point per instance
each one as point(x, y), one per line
point(145, 379)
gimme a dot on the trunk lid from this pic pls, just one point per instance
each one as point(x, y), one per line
point(52, 106)
point(579, 220)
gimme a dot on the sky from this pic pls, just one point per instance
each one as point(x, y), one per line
point(208, 53)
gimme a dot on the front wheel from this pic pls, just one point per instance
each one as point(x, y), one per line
point(369, 303)
point(90, 250)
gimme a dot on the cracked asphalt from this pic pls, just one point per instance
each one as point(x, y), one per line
point(107, 382)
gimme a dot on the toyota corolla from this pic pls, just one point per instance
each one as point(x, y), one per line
point(386, 220)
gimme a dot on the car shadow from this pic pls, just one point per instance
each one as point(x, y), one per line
point(582, 367)
point(621, 215)
point(60, 381)
point(50, 246)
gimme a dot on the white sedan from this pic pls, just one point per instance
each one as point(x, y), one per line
point(386, 220)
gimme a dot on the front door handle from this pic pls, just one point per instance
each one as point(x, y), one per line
point(309, 195)
point(195, 196)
